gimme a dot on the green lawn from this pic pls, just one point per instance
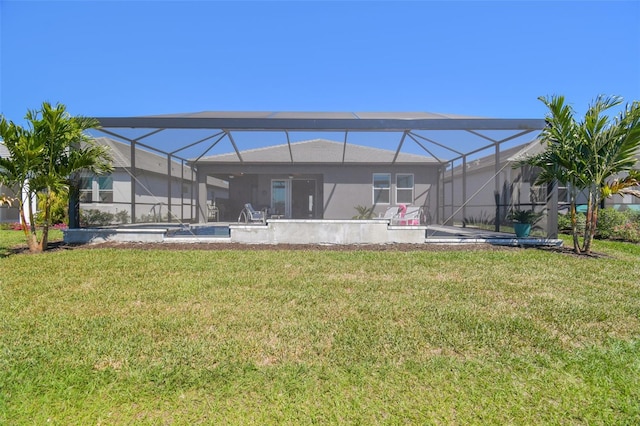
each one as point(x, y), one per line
point(121, 336)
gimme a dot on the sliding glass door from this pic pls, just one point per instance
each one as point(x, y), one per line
point(294, 198)
point(281, 197)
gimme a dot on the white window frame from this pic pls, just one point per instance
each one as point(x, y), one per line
point(412, 189)
point(374, 188)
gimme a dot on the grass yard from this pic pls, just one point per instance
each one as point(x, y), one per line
point(128, 336)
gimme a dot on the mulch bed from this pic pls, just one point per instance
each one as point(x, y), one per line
point(57, 246)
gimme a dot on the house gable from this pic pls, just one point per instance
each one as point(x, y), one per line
point(318, 151)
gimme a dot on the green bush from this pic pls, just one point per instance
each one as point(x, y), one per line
point(564, 222)
point(94, 217)
point(481, 221)
point(59, 208)
point(121, 217)
point(608, 220)
point(630, 232)
point(363, 212)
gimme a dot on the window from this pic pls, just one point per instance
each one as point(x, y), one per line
point(404, 188)
point(105, 189)
point(86, 189)
point(96, 189)
point(381, 188)
point(563, 194)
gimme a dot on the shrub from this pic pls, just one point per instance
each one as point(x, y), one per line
point(608, 220)
point(121, 217)
point(481, 221)
point(363, 212)
point(94, 217)
point(154, 217)
point(564, 222)
point(59, 208)
point(525, 216)
point(630, 231)
point(633, 216)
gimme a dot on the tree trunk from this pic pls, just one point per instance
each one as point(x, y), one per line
point(574, 224)
point(594, 203)
point(589, 221)
point(45, 226)
point(30, 237)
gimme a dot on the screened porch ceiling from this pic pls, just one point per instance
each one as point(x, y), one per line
point(445, 137)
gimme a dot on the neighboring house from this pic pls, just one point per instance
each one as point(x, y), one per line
point(7, 213)
point(471, 196)
point(514, 187)
point(151, 190)
point(322, 179)
point(148, 184)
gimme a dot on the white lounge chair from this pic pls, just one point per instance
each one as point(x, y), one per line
point(249, 214)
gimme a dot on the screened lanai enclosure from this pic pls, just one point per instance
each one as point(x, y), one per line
point(205, 167)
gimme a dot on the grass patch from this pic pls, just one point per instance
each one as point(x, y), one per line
point(10, 239)
point(299, 337)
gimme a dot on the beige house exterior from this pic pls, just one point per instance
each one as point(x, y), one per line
point(8, 214)
point(322, 179)
point(156, 196)
point(512, 188)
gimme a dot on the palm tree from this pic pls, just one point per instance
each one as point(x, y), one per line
point(45, 159)
point(17, 171)
point(583, 155)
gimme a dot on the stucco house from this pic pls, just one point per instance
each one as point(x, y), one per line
point(8, 214)
point(163, 190)
point(472, 195)
point(150, 186)
point(514, 187)
point(322, 179)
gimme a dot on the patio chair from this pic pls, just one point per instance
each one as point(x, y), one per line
point(391, 213)
point(412, 216)
point(249, 214)
point(409, 216)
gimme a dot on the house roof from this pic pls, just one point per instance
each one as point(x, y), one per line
point(151, 162)
point(318, 151)
point(145, 160)
point(509, 155)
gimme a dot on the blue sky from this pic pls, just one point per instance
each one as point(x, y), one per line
point(491, 59)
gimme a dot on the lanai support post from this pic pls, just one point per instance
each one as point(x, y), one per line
point(169, 197)
point(450, 218)
point(201, 205)
point(496, 186)
point(134, 180)
point(74, 198)
point(464, 190)
point(182, 191)
point(552, 210)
